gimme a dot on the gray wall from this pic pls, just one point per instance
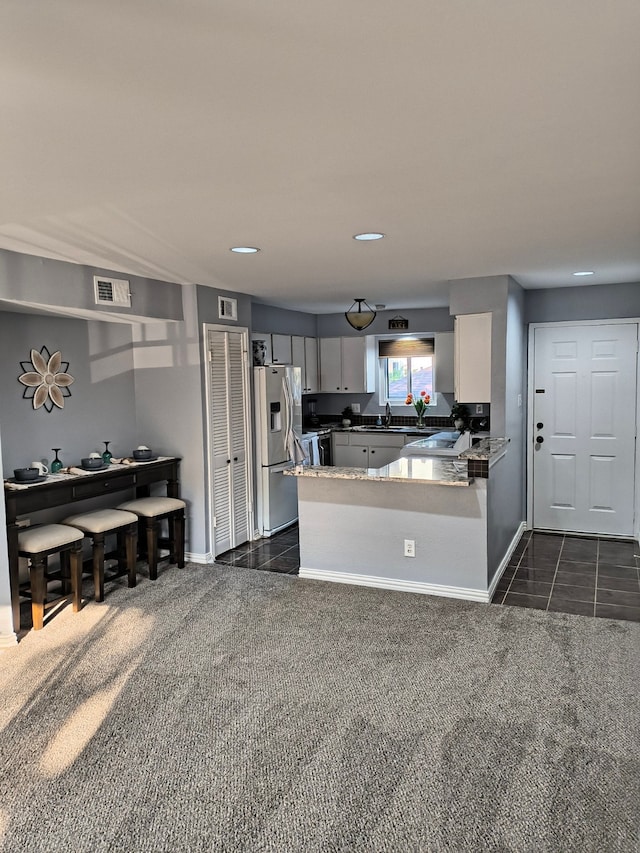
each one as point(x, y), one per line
point(102, 403)
point(594, 302)
point(169, 399)
point(420, 320)
point(61, 285)
point(7, 636)
point(280, 321)
point(507, 478)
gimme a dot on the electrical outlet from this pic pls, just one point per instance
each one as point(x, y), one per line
point(479, 409)
point(355, 408)
point(409, 547)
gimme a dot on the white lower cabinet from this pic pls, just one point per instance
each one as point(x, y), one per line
point(363, 450)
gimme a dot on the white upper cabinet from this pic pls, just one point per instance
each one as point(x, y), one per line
point(473, 358)
point(304, 354)
point(444, 348)
point(311, 365)
point(347, 365)
point(281, 349)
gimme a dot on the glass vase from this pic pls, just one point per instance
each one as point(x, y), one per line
point(420, 422)
point(106, 456)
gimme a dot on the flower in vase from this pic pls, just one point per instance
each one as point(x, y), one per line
point(419, 403)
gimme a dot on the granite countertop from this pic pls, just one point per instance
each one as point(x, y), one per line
point(490, 449)
point(424, 469)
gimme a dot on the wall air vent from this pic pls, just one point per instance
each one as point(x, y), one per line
point(227, 308)
point(112, 291)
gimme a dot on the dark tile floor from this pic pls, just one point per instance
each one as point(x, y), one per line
point(280, 553)
point(570, 574)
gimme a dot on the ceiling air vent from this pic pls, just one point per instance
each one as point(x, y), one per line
point(227, 308)
point(112, 291)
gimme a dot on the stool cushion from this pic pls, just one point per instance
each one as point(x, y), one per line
point(36, 539)
point(101, 520)
point(150, 507)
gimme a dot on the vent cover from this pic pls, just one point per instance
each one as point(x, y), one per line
point(227, 308)
point(112, 291)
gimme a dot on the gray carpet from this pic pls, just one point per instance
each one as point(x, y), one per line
point(223, 709)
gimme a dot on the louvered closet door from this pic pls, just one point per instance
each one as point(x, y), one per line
point(228, 440)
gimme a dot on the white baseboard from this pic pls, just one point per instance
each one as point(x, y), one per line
point(505, 560)
point(399, 585)
point(7, 641)
point(203, 559)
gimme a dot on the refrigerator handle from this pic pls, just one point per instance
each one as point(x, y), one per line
point(288, 408)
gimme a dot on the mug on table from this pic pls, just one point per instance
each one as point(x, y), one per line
point(42, 469)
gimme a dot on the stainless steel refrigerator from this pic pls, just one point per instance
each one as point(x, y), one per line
point(278, 421)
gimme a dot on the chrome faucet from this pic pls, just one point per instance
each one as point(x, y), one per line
point(387, 415)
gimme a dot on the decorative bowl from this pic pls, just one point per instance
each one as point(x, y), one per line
point(90, 462)
point(23, 475)
point(141, 454)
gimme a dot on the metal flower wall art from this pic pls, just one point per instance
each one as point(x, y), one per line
point(46, 379)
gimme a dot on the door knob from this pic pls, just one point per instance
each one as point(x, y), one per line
point(539, 439)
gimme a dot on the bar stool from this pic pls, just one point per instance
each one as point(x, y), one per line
point(99, 524)
point(37, 543)
point(150, 511)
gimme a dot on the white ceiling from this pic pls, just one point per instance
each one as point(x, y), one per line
point(484, 137)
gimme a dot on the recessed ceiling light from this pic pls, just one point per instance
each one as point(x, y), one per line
point(244, 250)
point(583, 272)
point(369, 235)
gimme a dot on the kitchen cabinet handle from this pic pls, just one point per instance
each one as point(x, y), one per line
point(235, 458)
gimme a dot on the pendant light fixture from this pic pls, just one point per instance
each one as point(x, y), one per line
point(360, 315)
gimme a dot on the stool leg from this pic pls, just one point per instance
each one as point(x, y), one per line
point(76, 575)
point(122, 557)
point(131, 540)
point(65, 576)
point(38, 590)
point(178, 538)
point(98, 566)
point(152, 548)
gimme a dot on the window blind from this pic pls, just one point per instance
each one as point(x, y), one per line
point(406, 347)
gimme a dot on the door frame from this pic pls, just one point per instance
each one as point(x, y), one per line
point(248, 427)
point(609, 321)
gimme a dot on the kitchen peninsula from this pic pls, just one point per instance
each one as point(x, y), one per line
point(354, 523)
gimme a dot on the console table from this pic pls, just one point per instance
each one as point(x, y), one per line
point(61, 489)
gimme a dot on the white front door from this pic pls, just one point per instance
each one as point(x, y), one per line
point(584, 428)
